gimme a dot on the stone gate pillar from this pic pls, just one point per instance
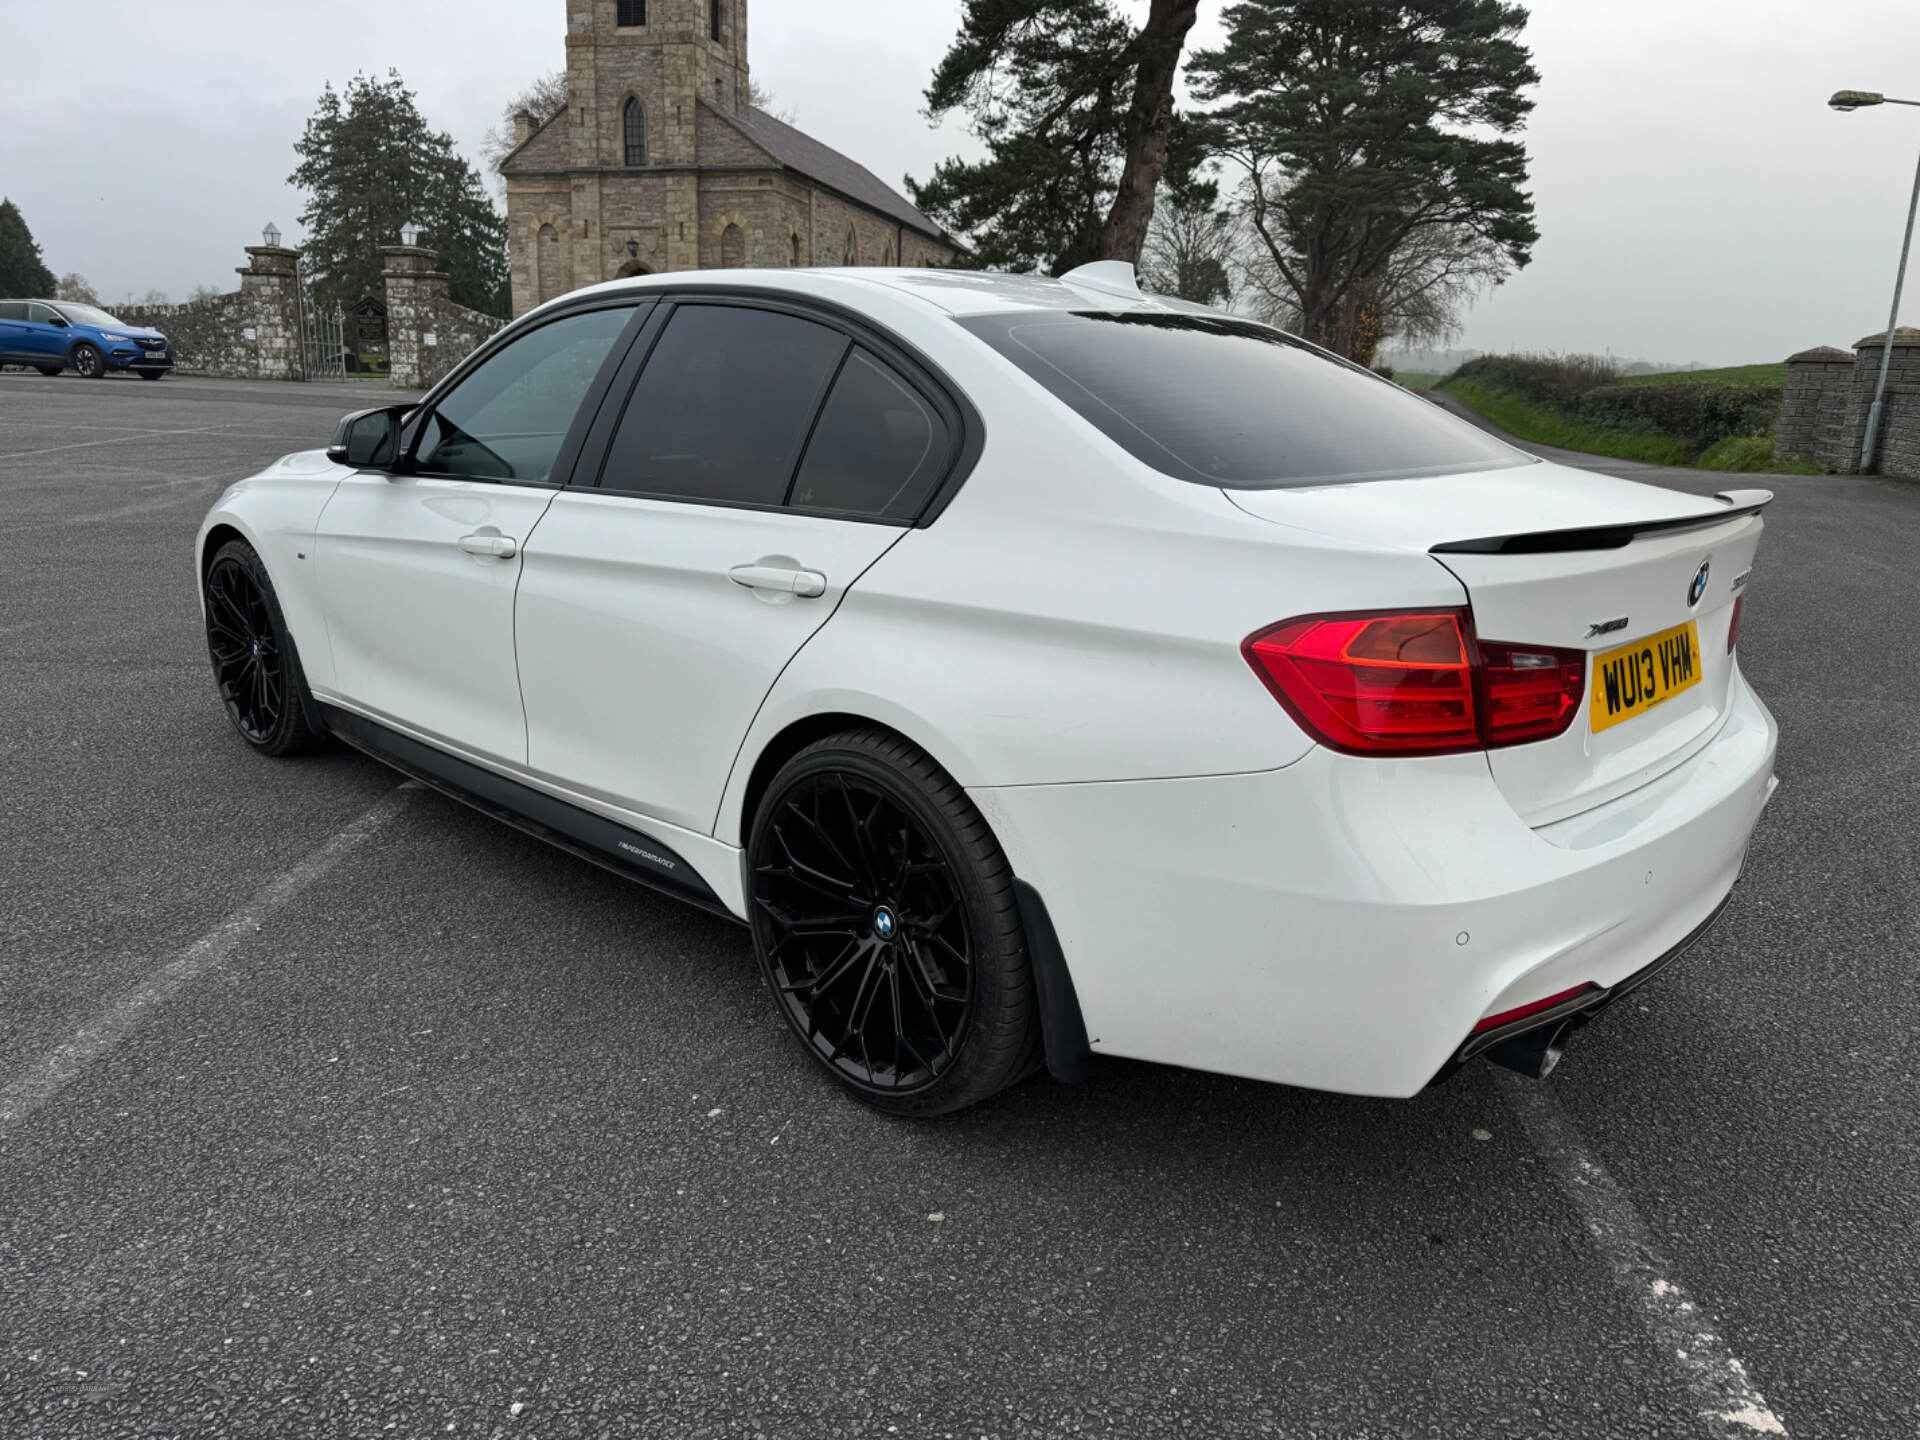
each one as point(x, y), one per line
point(270, 307)
point(1898, 450)
point(416, 296)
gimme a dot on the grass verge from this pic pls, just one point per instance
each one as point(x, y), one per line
point(1774, 374)
point(1543, 425)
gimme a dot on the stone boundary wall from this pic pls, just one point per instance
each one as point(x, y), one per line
point(1823, 417)
point(252, 333)
point(427, 334)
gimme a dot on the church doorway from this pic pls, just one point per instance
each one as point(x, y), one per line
point(733, 248)
point(631, 269)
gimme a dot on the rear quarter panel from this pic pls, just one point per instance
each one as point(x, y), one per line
point(1075, 616)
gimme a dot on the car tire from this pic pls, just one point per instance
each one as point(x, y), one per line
point(88, 363)
point(256, 669)
point(878, 890)
point(150, 374)
point(49, 370)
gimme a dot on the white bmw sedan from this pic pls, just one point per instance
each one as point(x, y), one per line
point(1038, 668)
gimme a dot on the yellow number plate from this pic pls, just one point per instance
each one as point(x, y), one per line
point(1649, 672)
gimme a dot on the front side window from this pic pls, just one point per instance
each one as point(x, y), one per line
point(40, 314)
point(724, 406)
point(878, 450)
point(636, 133)
point(507, 419)
point(1225, 402)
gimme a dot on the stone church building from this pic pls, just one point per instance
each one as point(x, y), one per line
point(661, 162)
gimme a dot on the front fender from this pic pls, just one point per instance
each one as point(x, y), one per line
point(277, 513)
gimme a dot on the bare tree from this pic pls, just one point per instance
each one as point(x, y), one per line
point(762, 98)
point(545, 98)
point(74, 287)
point(1416, 297)
point(1192, 248)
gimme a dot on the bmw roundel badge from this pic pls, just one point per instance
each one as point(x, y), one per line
point(1699, 586)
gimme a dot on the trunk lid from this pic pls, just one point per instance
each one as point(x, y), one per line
point(1552, 556)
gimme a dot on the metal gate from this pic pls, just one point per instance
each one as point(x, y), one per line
point(323, 341)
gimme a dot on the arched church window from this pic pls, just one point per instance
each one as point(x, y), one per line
point(796, 249)
point(635, 125)
point(853, 246)
point(633, 14)
point(714, 17)
point(733, 248)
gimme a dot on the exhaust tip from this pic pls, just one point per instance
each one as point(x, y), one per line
point(1533, 1054)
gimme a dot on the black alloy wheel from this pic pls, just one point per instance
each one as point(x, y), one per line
point(884, 918)
point(254, 664)
point(88, 362)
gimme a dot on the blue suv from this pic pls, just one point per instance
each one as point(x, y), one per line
point(51, 335)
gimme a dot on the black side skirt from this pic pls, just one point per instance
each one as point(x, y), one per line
point(580, 832)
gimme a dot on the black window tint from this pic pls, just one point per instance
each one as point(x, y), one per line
point(879, 448)
point(1224, 402)
point(507, 419)
point(724, 406)
point(13, 310)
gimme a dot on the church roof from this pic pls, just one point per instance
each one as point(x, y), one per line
point(801, 152)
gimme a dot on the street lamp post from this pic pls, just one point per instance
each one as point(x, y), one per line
point(1854, 100)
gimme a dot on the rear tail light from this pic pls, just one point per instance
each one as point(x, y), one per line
point(1733, 625)
point(1415, 683)
point(1521, 1012)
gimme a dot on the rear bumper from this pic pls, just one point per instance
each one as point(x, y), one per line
point(1343, 923)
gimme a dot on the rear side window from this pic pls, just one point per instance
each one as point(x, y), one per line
point(13, 310)
point(724, 407)
point(1224, 402)
point(878, 450)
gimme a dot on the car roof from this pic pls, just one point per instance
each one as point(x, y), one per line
point(951, 292)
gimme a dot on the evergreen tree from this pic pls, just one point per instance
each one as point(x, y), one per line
point(22, 272)
point(1075, 104)
point(1377, 141)
point(370, 163)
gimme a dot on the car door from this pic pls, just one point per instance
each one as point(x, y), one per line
point(45, 336)
point(13, 329)
point(416, 567)
point(764, 459)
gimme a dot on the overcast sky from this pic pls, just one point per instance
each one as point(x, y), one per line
point(1697, 201)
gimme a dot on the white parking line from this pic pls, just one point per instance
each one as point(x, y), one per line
point(45, 1078)
point(1730, 1402)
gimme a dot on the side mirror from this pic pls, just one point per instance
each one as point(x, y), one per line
point(59, 322)
point(369, 439)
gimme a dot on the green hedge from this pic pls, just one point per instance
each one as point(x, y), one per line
point(1588, 392)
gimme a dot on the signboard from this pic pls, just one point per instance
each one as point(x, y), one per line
point(367, 336)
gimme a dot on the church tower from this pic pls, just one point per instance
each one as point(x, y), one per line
point(659, 162)
point(637, 71)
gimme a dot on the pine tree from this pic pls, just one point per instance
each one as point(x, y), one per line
point(370, 163)
point(1075, 104)
point(1377, 139)
point(22, 272)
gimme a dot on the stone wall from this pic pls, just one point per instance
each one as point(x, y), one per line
point(427, 334)
point(252, 333)
point(1829, 395)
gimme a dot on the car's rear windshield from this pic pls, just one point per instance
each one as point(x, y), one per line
point(85, 314)
point(1225, 402)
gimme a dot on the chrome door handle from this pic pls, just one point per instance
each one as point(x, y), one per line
point(499, 547)
point(807, 584)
